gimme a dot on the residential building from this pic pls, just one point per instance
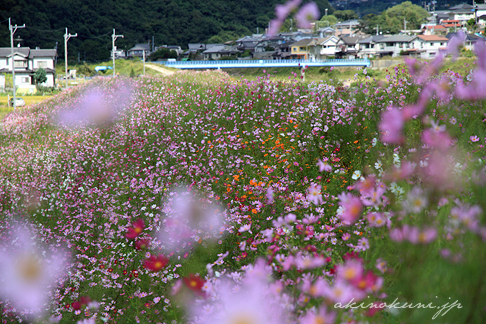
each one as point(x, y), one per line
point(326, 47)
point(347, 27)
point(219, 51)
point(300, 49)
point(349, 46)
point(26, 62)
point(429, 45)
point(368, 47)
point(138, 49)
point(394, 45)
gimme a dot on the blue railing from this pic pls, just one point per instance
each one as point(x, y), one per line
point(262, 63)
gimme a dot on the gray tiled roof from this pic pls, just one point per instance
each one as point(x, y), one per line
point(6, 51)
point(42, 53)
point(397, 38)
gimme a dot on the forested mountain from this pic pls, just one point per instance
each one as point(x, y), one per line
point(172, 22)
point(377, 6)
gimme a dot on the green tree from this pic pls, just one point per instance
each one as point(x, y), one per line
point(394, 16)
point(162, 53)
point(40, 76)
point(344, 15)
point(329, 18)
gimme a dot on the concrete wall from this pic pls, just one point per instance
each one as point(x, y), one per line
point(383, 64)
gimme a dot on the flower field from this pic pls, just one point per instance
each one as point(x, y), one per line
point(200, 199)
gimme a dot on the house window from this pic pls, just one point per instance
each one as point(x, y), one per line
point(42, 64)
point(20, 63)
point(302, 49)
point(25, 80)
point(431, 44)
point(441, 44)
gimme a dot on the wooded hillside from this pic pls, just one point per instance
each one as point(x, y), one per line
point(171, 22)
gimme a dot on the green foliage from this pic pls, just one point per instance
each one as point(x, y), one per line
point(162, 53)
point(330, 18)
point(132, 73)
point(343, 15)
point(170, 22)
point(40, 76)
point(391, 21)
point(85, 70)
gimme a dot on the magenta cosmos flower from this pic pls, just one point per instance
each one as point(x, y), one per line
point(28, 271)
point(308, 13)
point(189, 216)
point(253, 302)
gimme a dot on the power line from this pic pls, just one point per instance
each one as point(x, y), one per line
point(45, 30)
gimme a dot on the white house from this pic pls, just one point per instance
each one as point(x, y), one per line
point(325, 47)
point(429, 45)
point(26, 62)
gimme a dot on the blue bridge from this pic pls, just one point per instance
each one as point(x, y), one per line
point(263, 63)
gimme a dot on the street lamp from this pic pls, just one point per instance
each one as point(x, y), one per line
point(113, 39)
point(66, 38)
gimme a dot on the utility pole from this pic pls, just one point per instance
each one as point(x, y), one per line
point(405, 24)
point(291, 24)
point(143, 56)
point(113, 39)
point(66, 38)
point(377, 29)
point(13, 29)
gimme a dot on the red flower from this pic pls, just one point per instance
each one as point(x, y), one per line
point(142, 244)
point(84, 300)
point(195, 283)
point(156, 263)
point(137, 228)
point(76, 305)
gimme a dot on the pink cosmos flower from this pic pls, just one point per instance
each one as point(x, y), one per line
point(251, 303)
point(381, 265)
point(376, 219)
point(438, 139)
point(350, 270)
point(309, 12)
point(188, 214)
point(308, 262)
point(269, 195)
point(455, 44)
point(352, 209)
point(343, 292)
point(324, 166)
point(321, 316)
point(96, 108)
point(28, 271)
point(474, 138)
point(374, 198)
point(363, 244)
point(315, 194)
point(391, 126)
point(282, 11)
point(244, 228)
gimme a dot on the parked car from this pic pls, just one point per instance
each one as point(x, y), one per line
point(19, 102)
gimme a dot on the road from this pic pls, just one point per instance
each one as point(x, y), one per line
point(159, 69)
